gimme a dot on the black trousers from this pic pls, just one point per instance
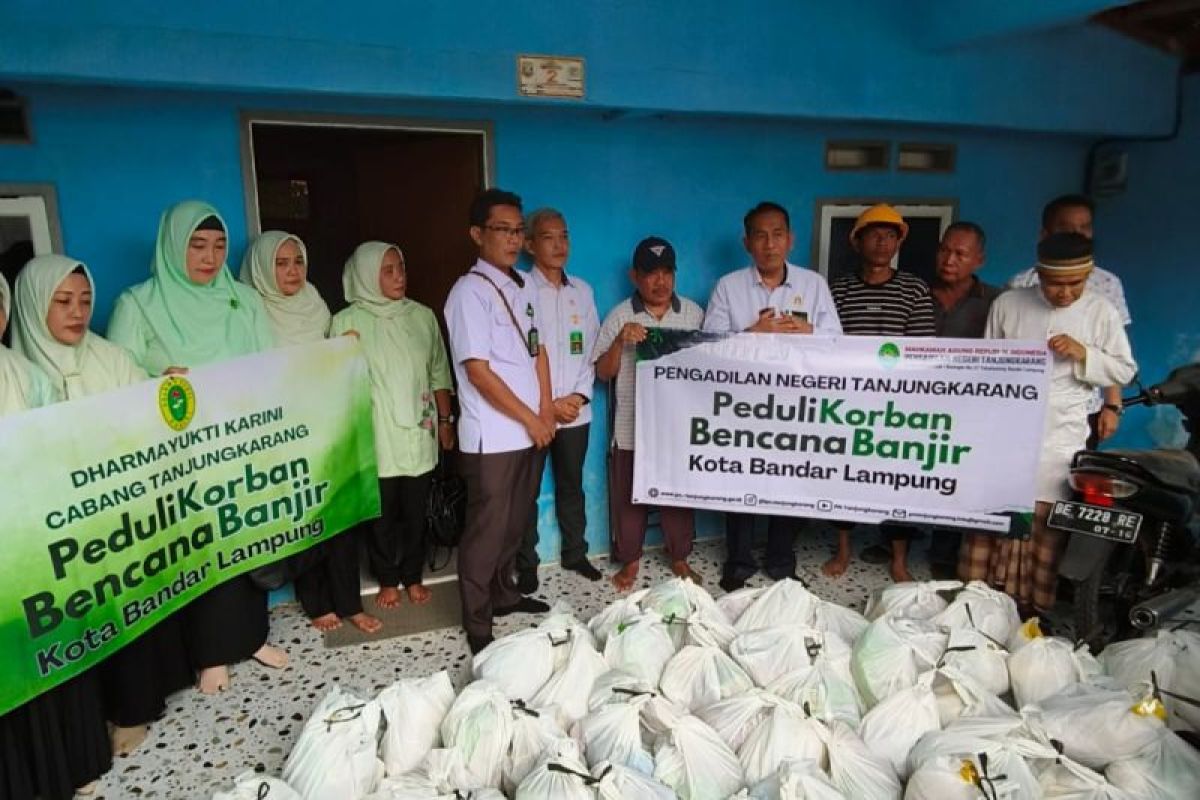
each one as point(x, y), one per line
point(780, 558)
point(500, 487)
point(329, 583)
point(396, 541)
point(566, 454)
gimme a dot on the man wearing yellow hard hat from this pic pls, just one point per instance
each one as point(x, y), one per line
point(879, 300)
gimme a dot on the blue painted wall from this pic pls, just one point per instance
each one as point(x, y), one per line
point(1147, 235)
point(1023, 64)
point(119, 156)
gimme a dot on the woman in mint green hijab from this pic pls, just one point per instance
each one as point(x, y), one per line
point(22, 385)
point(410, 390)
point(192, 312)
point(276, 265)
point(328, 583)
point(58, 741)
point(54, 311)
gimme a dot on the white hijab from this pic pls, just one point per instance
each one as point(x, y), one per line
point(22, 385)
point(302, 317)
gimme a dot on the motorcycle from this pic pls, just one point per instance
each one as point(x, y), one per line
point(1132, 555)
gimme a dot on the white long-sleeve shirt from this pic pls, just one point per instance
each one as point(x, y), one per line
point(740, 295)
point(1096, 324)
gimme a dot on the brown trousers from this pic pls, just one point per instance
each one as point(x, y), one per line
point(1026, 570)
point(500, 489)
point(678, 524)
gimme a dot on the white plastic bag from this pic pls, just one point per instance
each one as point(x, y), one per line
point(641, 646)
point(250, 786)
point(959, 695)
point(855, 770)
point(1173, 658)
point(1045, 666)
point(1098, 726)
point(827, 692)
point(617, 782)
point(796, 779)
point(700, 676)
point(734, 718)
point(847, 623)
point(950, 777)
point(911, 600)
point(613, 733)
point(334, 758)
point(413, 709)
point(479, 725)
point(769, 653)
point(695, 763)
point(568, 689)
point(1002, 746)
point(1066, 780)
point(735, 603)
point(1167, 769)
point(520, 663)
point(620, 611)
point(681, 599)
point(1025, 633)
point(891, 728)
point(982, 608)
point(891, 653)
point(785, 733)
point(563, 776)
point(535, 736)
point(979, 657)
point(785, 602)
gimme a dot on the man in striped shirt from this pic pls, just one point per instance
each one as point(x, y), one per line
point(880, 300)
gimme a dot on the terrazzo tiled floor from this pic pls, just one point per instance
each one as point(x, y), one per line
point(204, 742)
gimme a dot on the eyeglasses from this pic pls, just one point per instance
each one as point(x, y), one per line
point(504, 230)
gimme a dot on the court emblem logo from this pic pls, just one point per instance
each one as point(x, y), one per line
point(889, 355)
point(176, 402)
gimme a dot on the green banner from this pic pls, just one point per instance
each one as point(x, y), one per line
point(121, 508)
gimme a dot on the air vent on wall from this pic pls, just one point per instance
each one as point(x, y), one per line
point(925, 157)
point(856, 155)
point(14, 121)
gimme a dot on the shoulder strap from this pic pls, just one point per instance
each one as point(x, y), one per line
point(511, 315)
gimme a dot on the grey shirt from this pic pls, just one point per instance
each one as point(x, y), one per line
point(968, 317)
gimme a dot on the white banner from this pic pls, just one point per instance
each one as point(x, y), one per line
point(864, 429)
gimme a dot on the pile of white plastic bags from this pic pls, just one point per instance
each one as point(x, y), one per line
point(938, 692)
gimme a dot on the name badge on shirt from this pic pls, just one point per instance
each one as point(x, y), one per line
point(797, 309)
point(532, 338)
point(576, 343)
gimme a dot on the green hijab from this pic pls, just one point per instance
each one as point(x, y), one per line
point(360, 280)
point(303, 317)
point(197, 324)
point(22, 385)
point(94, 364)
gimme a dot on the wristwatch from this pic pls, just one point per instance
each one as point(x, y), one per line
point(1116, 408)
point(448, 420)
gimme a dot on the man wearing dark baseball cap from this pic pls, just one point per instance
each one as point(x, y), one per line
point(654, 304)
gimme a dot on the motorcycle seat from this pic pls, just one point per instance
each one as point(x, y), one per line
point(1177, 469)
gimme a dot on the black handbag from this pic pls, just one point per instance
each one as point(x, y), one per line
point(446, 512)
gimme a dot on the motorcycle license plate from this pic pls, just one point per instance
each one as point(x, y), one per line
point(1104, 523)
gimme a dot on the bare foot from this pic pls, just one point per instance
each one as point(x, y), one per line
point(126, 740)
point(624, 578)
point(365, 622)
point(900, 573)
point(680, 569)
point(327, 622)
point(213, 679)
point(271, 657)
point(836, 567)
point(388, 597)
point(418, 594)
point(87, 789)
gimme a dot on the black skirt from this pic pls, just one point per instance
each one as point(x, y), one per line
point(227, 624)
point(139, 677)
point(55, 743)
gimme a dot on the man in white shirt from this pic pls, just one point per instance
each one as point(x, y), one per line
point(771, 295)
point(1073, 213)
point(567, 313)
point(653, 305)
point(503, 378)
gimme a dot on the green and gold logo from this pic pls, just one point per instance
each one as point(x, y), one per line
point(889, 355)
point(176, 402)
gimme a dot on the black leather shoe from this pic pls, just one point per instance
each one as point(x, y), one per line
point(527, 581)
point(943, 571)
point(526, 605)
point(730, 583)
point(477, 643)
point(584, 568)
